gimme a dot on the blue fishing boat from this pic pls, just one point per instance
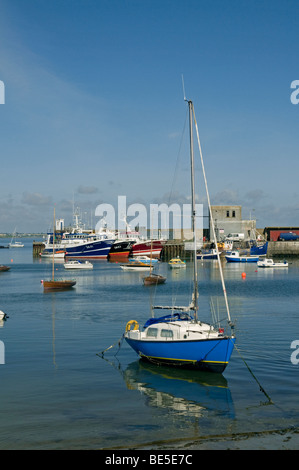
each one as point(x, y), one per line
point(179, 338)
point(260, 250)
point(79, 243)
point(89, 247)
point(236, 257)
point(207, 254)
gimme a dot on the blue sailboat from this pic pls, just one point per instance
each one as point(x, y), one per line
point(180, 338)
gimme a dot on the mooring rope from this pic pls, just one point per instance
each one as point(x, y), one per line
point(261, 388)
point(119, 342)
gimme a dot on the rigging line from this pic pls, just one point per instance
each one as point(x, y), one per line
point(261, 388)
point(212, 221)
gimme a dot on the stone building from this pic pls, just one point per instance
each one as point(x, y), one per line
point(228, 219)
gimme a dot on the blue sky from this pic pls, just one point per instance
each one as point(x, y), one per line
point(94, 105)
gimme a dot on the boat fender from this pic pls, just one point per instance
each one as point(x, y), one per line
point(132, 325)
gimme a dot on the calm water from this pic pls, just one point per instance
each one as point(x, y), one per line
point(57, 393)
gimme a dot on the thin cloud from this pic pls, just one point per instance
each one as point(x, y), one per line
point(87, 190)
point(35, 199)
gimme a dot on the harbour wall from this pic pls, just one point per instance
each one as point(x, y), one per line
point(283, 249)
point(37, 248)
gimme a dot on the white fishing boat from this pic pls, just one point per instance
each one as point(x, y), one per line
point(269, 263)
point(75, 264)
point(181, 339)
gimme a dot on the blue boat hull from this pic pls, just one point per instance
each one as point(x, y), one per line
point(93, 250)
point(207, 355)
point(259, 250)
point(243, 259)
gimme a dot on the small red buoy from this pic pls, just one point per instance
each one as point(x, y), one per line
point(243, 275)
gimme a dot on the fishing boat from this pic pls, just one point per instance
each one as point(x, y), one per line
point(57, 284)
point(176, 263)
point(131, 243)
point(260, 250)
point(143, 247)
point(269, 263)
point(79, 243)
point(121, 248)
point(236, 257)
point(181, 339)
point(208, 254)
point(75, 264)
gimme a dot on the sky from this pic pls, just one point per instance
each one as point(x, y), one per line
point(94, 106)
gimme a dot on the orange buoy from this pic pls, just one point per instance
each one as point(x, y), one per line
point(243, 275)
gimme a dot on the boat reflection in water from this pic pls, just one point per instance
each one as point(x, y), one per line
point(186, 392)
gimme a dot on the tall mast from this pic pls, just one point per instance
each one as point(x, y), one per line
point(53, 245)
point(193, 215)
point(213, 225)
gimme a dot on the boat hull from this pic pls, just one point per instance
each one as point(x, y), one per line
point(133, 267)
point(4, 268)
point(208, 256)
point(49, 254)
point(120, 249)
point(58, 285)
point(148, 248)
point(206, 355)
point(242, 259)
point(74, 265)
point(259, 250)
point(153, 279)
point(92, 250)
